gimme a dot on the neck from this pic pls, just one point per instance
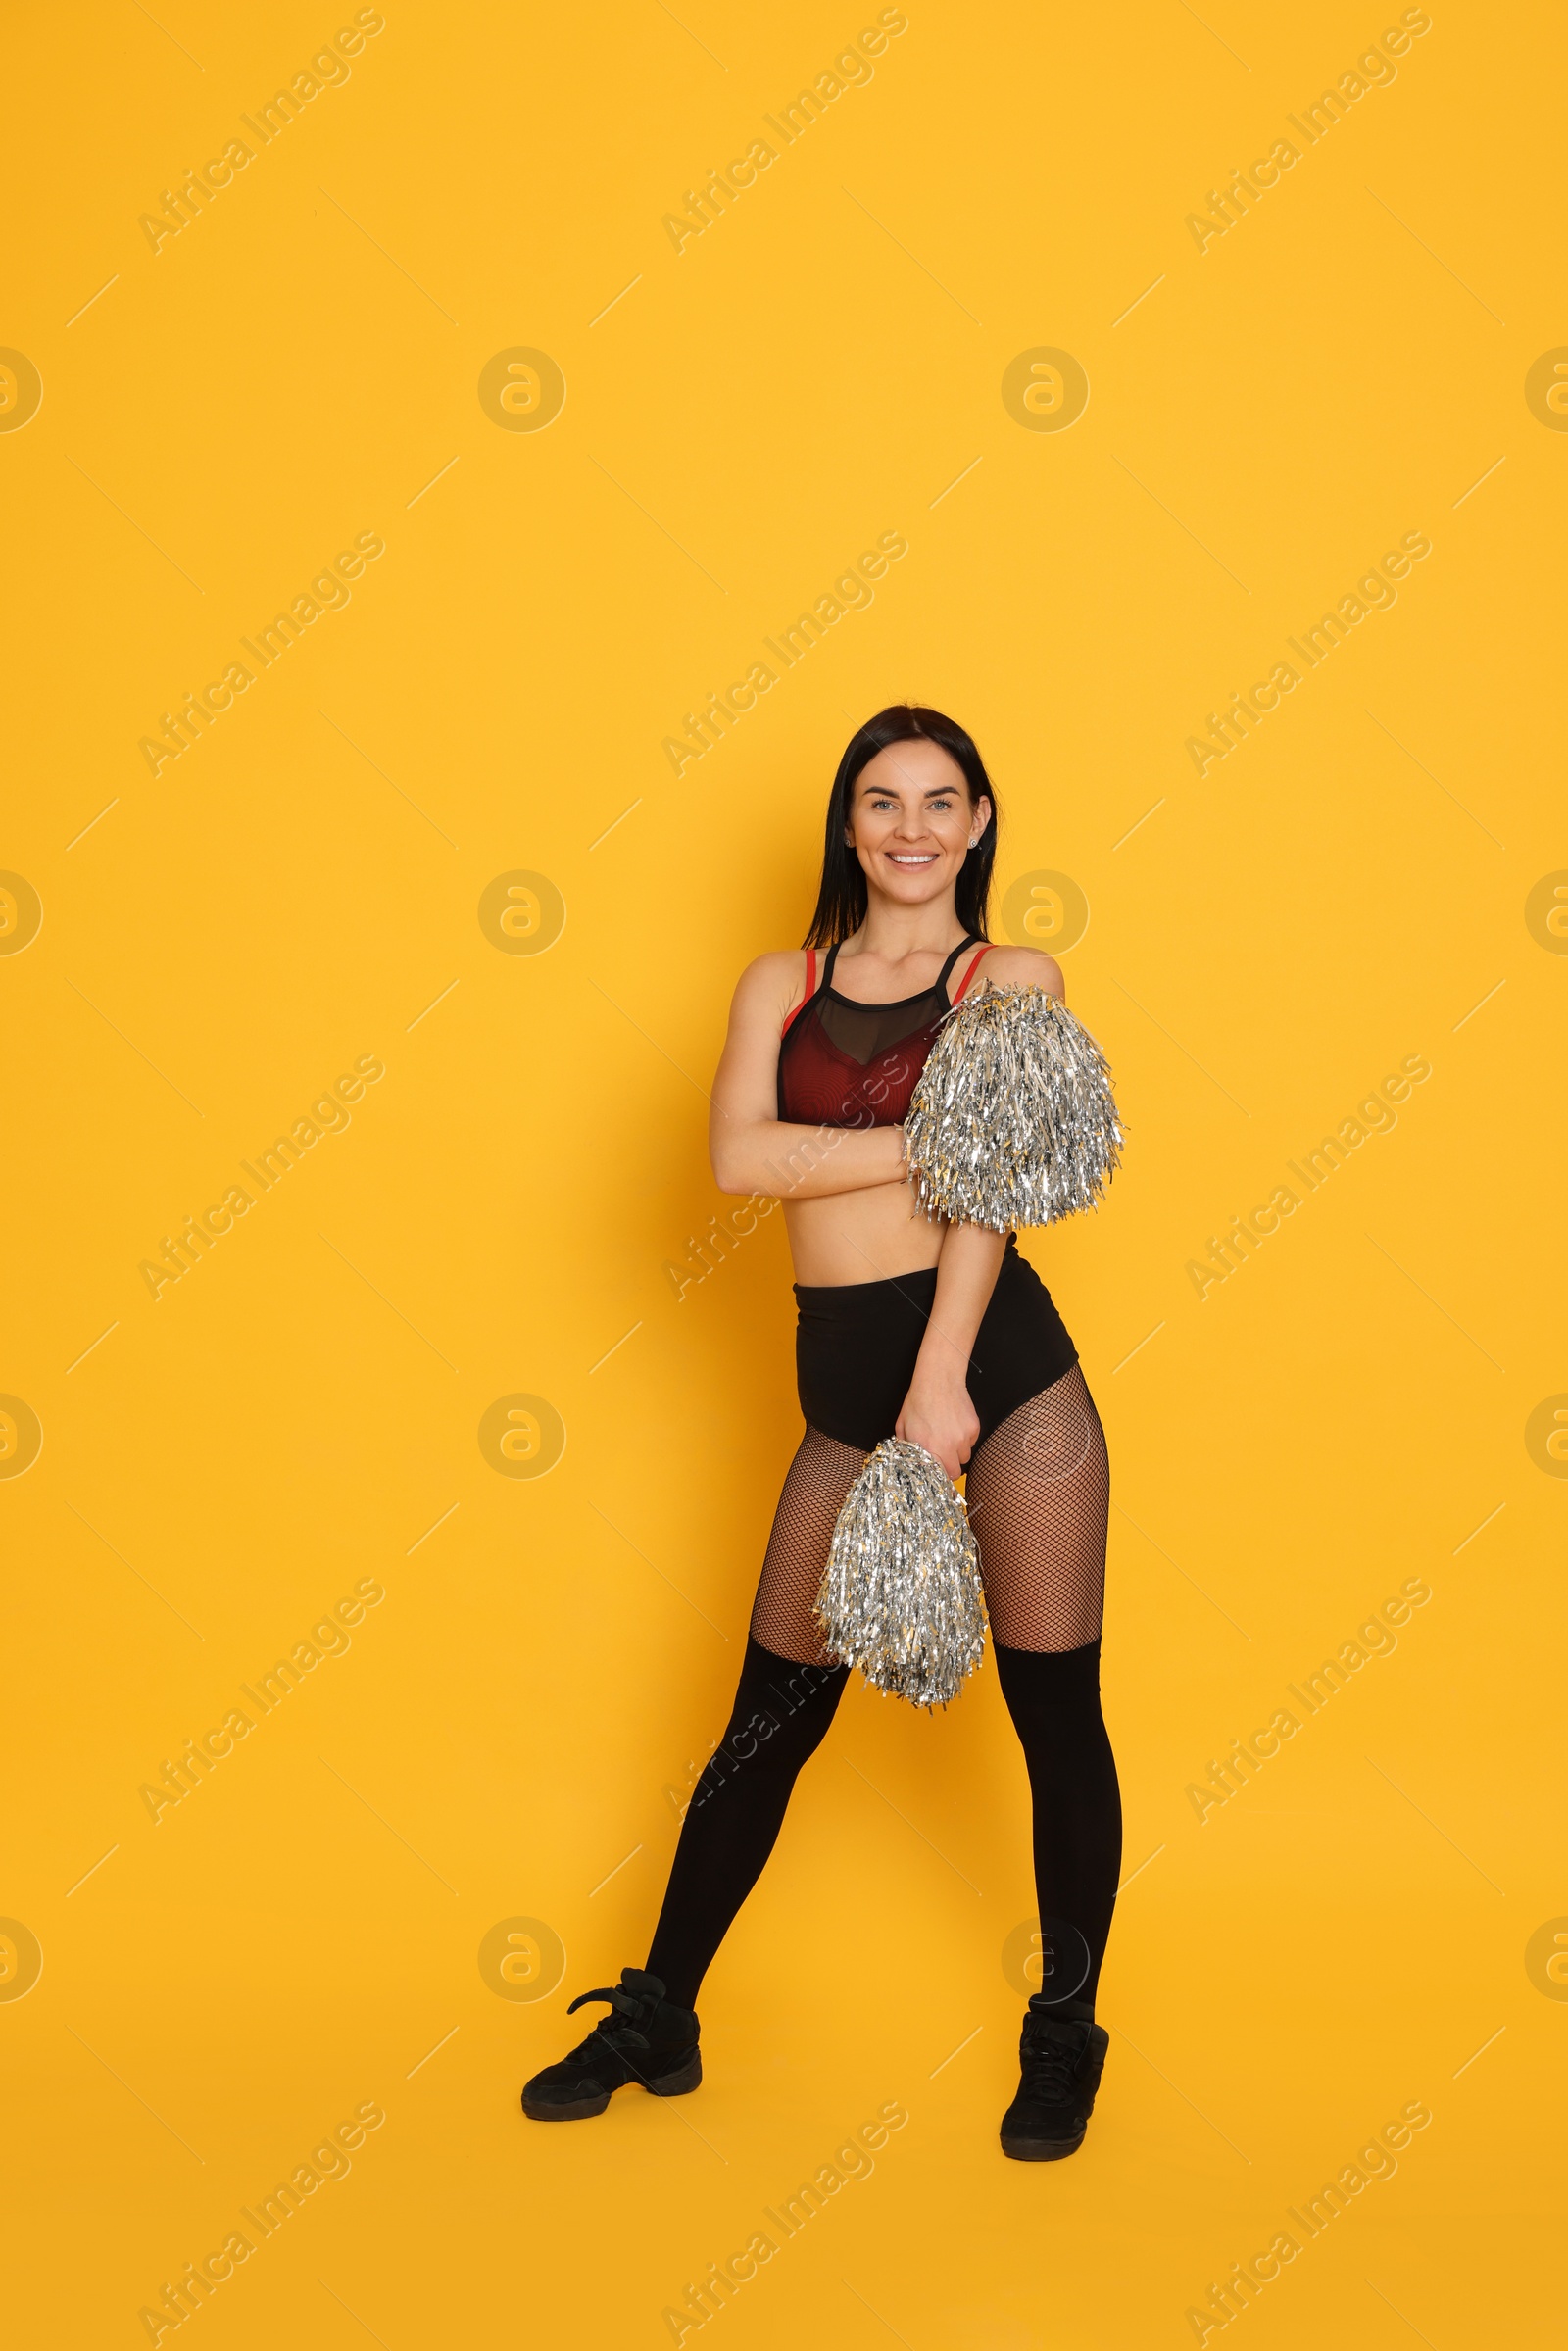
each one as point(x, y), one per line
point(893, 932)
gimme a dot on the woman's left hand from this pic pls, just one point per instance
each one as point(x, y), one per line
point(939, 1415)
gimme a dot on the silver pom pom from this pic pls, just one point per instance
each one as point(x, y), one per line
point(902, 1598)
point(1014, 1121)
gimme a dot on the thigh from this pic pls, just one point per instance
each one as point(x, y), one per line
point(1039, 1497)
point(819, 1477)
point(1022, 1344)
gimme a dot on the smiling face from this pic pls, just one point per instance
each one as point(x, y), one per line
point(911, 824)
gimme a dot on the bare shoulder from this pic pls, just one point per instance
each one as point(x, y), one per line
point(1024, 967)
point(771, 985)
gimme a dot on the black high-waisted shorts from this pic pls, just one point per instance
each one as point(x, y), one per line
point(855, 1348)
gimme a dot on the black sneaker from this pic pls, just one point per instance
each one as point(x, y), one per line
point(642, 2039)
point(1062, 2059)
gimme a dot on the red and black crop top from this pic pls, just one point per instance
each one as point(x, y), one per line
point(847, 1064)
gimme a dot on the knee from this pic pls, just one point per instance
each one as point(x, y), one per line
point(750, 1731)
point(758, 1745)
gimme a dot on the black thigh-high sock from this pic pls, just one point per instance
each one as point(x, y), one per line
point(1054, 1698)
point(780, 1717)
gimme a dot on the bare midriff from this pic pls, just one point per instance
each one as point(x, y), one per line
point(869, 1236)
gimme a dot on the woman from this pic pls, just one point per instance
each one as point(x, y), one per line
point(942, 1335)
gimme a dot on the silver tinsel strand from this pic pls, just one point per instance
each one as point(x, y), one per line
point(1014, 1121)
point(902, 1598)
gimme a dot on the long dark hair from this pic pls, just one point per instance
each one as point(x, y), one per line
point(841, 901)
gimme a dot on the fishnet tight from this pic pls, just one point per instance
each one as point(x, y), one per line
point(1039, 1497)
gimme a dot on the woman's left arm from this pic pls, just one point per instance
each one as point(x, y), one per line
point(938, 1412)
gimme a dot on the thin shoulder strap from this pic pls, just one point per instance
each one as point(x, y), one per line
point(945, 973)
point(832, 959)
point(811, 990)
point(970, 974)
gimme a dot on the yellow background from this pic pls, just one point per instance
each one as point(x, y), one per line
point(301, 886)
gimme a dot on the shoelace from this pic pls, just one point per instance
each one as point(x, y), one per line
point(612, 2029)
point(1051, 2067)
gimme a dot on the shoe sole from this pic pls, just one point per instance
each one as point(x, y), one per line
point(674, 2086)
point(1042, 2150)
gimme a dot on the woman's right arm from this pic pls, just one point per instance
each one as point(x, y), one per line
point(751, 1147)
